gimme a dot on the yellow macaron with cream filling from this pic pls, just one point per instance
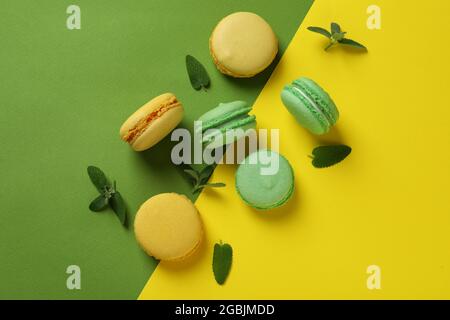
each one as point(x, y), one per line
point(243, 44)
point(152, 122)
point(168, 227)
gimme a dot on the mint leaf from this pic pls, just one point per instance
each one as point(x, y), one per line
point(352, 43)
point(197, 73)
point(222, 259)
point(99, 203)
point(118, 205)
point(327, 156)
point(329, 45)
point(98, 178)
point(335, 28)
point(321, 31)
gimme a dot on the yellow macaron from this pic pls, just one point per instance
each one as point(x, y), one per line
point(168, 227)
point(243, 44)
point(152, 122)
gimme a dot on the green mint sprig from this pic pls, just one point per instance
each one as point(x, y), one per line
point(327, 156)
point(222, 260)
point(200, 178)
point(108, 195)
point(336, 36)
point(197, 73)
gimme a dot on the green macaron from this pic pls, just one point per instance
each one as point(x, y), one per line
point(265, 180)
point(310, 105)
point(219, 125)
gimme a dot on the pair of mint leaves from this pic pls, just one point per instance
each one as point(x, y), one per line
point(109, 196)
point(336, 36)
point(200, 178)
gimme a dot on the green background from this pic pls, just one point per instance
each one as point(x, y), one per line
point(64, 95)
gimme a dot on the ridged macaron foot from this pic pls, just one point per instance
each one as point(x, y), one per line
point(152, 122)
point(265, 180)
point(243, 44)
point(168, 227)
point(221, 120)
point(311, 105)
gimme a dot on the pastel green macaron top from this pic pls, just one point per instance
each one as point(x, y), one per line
point(223, 118)
point(310, 105)
point(265, 180)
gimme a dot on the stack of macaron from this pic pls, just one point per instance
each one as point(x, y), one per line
point(168, 226)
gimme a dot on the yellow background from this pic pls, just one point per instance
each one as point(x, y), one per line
point(387, 204)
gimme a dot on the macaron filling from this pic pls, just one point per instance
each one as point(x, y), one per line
point(145, 122)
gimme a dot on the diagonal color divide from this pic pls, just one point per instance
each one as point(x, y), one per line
point(386, 205)
point(74, 89)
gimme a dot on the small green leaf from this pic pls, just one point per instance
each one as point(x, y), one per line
point(193, 174)
point(118, 205)
point(99, 203)
point(329, 45)
point(197, 73)
point(327, 156)
point(335, 28)
point(321, 31)
point(222, 259)
point(352, 43)
point(98, 178)
point(206, 173)
point(338, 36)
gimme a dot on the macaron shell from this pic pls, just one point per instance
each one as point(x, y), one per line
point(144, 111)
point(158, 129)
point(168, 227)
point(223, 112)
point(243, 44)
point(264, 192)
point(305, 114)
